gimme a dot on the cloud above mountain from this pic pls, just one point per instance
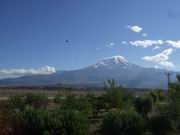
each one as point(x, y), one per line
point(20, 72)
point(110, 45)
point(175, 44)
point(162, 58)
point(146, 43)
point(135, 28)
point(149, 43)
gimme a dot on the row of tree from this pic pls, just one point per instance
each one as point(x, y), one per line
point(119, 111)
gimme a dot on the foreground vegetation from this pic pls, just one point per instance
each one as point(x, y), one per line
point(116, 112)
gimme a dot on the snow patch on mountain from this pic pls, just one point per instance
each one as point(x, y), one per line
point(113, 62)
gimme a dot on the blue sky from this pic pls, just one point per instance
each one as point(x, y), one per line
point(33, 33)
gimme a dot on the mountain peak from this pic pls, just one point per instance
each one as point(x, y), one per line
point(118, 58)
point(113, 62)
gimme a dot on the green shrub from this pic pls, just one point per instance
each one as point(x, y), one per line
point(58, 100)
point(17, 102)
point(43, 122)
point(71, 123)
point(122, 123)
point(118, 97)
point(33, 122)
point(143, 105)
point(160, 125)
point(36, 101)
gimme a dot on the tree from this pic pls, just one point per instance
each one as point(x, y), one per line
point(71, 123)
point(110, 84)
point(34, 122)
point(118, 98)
point(122, 123)
point(36, 101)
point(157, 96)
point(74, 103)
point(84, 106)
point(43, 122)
point(58, 100)
point(17, 102)
point(174, 100)
point(143, 105)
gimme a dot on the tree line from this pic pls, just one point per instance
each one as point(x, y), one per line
point(117, 112)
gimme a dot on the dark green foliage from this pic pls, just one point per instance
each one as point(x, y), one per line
point(84, 106)
point(143, 105)
point(117, 96)
point(58, 99)
point(71, 123)
point(79, 104)
point(117, 112)
point(70, 102)
point(36, 101)
point(91, 99)
point(174, 101)
point(100, 105)
point(30, 100)
point(122, 123)
point(40, 122)
point(157, 96)
point(17, 102)
point(160, 125)
point(178, 78)
point(34, 122)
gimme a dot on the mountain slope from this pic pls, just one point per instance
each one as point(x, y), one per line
point(118, 67)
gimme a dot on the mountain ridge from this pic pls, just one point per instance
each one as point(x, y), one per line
point(119, 68)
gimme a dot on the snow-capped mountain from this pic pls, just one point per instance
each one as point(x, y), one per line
point(117, 67)
point(113, 62)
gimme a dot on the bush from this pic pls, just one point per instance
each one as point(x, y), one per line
point(157, 96)
point(36, 101)
point(118, 97)
point(122, 123)
point(80, 104)
point(43, 122)
point(160, 125)
point(33, 122)
point(17, 102)
point(143, 105)
point(70, 123)
point(58, 100)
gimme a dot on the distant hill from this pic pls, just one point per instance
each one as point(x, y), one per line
point(119, 68)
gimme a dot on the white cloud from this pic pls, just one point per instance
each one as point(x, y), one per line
point(144, 34)
point(175, 44)
point(20, 72)
point(135, 28)
point(124, 42)
point(156, 48)
point(161, 58)
point(110, 45)
point(167, 64)
point(146, 43)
